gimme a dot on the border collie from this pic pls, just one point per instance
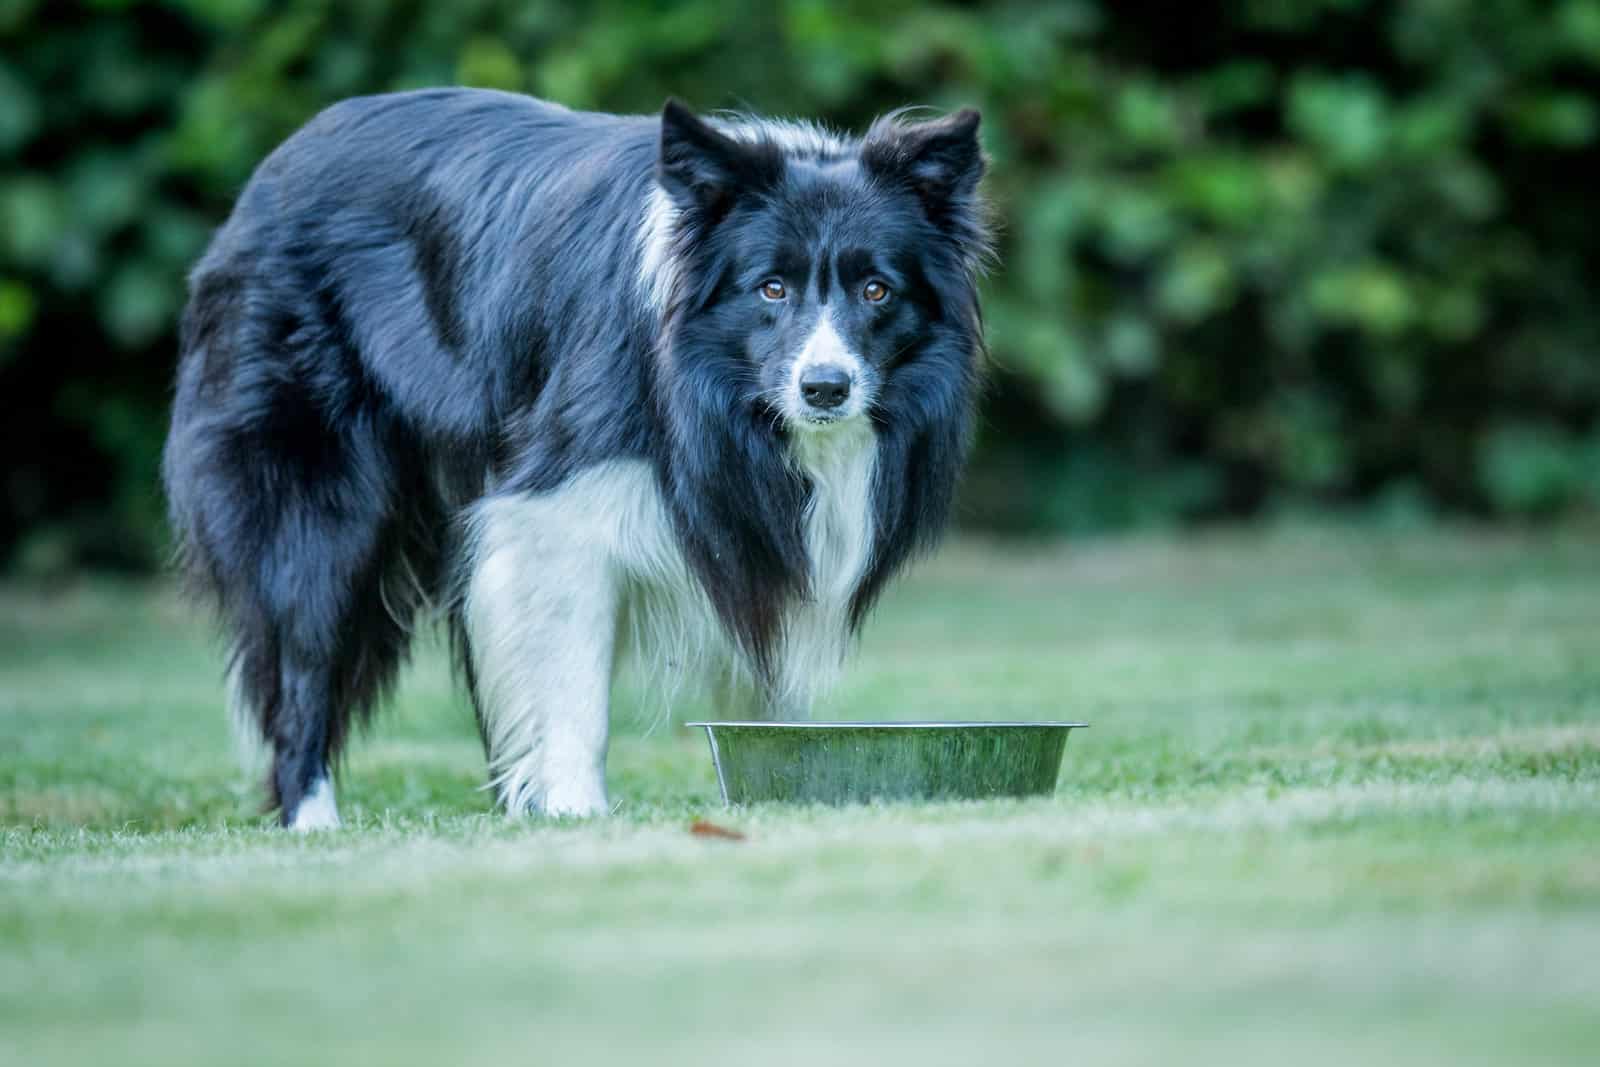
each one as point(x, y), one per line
point(592, 383)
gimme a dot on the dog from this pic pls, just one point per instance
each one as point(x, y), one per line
point(689, 387)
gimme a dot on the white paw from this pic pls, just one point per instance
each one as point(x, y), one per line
point(317, 810)
point(580, 800)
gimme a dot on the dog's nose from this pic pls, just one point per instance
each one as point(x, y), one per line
point(825, 386)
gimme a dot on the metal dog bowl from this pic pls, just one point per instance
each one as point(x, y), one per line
point(859, 762)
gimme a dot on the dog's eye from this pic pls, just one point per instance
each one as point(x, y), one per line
point(875, 293)
point(772, 289)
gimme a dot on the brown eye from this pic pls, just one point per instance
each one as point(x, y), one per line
point(875, 292)
point(773, 289)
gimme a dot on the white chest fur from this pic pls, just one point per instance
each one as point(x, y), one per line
point(559, 582)
point(672, 628)
point(839, 536)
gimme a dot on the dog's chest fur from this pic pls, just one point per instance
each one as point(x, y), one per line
point(841, 465)
point(666, 622)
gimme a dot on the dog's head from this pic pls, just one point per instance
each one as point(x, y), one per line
point(834, 279)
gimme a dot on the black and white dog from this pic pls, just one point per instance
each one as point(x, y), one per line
point(592, 382)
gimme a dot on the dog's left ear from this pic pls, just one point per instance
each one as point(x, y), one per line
point(703, 168)
point(941, 160)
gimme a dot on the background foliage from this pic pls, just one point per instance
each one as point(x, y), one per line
point(1257, 255)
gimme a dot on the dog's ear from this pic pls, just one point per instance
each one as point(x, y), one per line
point(941, 159)
point(704, 169)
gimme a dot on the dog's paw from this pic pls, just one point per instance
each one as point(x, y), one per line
point(577, 800)
point(317, 810)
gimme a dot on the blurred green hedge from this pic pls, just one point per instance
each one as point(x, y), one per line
point(1256, 255)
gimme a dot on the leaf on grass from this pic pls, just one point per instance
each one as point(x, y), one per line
point(702, 828)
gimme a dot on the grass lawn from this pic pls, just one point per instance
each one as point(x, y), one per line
point(1341, 802)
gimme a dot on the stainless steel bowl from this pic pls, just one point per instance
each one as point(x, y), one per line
point(859, 762)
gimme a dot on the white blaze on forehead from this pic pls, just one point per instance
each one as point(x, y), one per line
point(826, 346)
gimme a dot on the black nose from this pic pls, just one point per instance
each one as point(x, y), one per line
point(825, 386)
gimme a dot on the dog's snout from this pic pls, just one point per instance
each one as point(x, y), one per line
point(825, 386)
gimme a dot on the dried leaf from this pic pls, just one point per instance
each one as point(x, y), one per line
point(702, 828)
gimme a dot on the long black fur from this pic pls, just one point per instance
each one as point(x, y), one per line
point(424, 297)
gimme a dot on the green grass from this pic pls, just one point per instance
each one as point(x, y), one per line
point(1341, 800)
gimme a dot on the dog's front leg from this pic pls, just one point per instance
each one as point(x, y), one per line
point(540, 614)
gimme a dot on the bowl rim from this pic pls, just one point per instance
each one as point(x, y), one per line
point(919, 724)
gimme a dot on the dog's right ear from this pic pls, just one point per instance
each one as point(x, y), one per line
point(703, 169)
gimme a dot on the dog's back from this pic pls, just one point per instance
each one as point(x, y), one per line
point(363, 234)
